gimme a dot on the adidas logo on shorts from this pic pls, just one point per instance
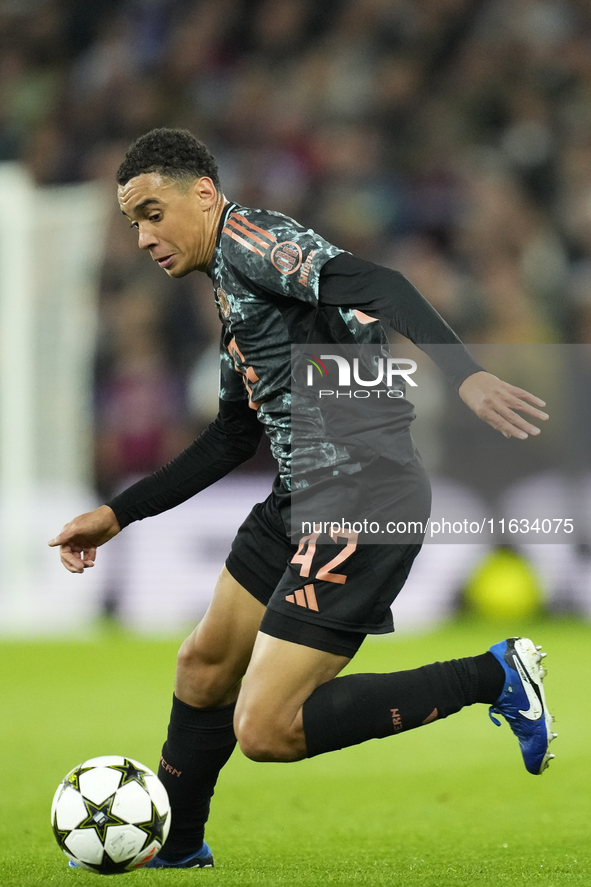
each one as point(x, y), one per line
point(304, 597)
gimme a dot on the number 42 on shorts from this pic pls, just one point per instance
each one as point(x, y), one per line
point(307, 549)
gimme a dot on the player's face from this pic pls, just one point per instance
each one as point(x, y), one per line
point(176, 224)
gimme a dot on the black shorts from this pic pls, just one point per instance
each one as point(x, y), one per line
point(325, 593)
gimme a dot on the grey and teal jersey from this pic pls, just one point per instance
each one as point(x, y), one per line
point(266, 273)
point(279, 284)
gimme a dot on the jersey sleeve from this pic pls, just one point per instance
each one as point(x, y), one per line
point(231, 439)
point(350, 282)
point(275, 253)
point(232, 387)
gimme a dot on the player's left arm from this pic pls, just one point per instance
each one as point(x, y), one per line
point(348, 281)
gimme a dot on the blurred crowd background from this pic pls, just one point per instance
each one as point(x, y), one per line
point(450, 139)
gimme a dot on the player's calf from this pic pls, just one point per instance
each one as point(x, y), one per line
point(204, 681)
point(359, 707)
point(201, 734)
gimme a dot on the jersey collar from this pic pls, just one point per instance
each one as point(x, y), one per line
point(230, 207)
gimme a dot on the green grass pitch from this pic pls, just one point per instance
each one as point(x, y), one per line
point(448, 804)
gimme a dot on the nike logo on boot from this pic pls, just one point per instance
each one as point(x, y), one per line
point(535, 710)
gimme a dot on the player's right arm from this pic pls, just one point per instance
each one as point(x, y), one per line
point(231, 439)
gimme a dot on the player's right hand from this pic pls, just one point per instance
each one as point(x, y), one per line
point(80, 538)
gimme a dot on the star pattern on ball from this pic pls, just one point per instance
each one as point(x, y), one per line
point(60, 833)
point(73, 778)
point(154, 828)
point(130, 773)
point(100, 817)
point(109, 866)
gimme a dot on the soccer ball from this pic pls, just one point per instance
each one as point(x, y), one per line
point(110, 815)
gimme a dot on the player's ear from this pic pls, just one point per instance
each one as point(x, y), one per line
point(206, 191)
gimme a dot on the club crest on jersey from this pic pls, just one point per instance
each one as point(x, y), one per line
point(222, 298)
point(287, 257)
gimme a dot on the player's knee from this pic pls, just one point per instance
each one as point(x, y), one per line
point(259, 747)
point(260, 743)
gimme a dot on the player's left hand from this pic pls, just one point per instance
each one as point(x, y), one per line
point(496, 402)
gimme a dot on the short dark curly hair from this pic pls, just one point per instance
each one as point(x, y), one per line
point(174, 153)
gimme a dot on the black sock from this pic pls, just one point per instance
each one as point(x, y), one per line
point(199, 743)
point(491, 678)
point(352, 709)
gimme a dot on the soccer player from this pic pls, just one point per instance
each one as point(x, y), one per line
point(285, 618)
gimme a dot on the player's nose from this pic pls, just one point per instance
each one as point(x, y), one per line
point(146, 240)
